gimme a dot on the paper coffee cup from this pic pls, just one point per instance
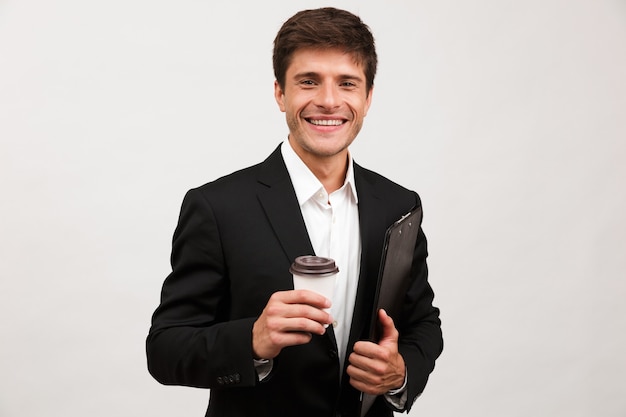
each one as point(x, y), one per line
point(316, 274)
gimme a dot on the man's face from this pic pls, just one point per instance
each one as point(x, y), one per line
point(325, 101)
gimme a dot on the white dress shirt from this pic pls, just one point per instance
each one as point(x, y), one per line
point(332, 221)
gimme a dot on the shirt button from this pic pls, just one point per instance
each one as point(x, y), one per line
point(335, 324)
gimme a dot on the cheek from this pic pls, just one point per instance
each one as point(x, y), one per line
point(365, 110)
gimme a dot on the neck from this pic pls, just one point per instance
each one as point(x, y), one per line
point(331, 171)
point(332, 178)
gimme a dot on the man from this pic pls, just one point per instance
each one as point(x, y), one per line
point(229, 319)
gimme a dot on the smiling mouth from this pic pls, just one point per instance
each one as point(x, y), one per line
point(325, 122)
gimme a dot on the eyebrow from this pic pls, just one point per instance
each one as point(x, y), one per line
point(312, 74)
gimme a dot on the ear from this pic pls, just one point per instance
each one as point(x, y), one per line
point(279, 95)
point(368, 100)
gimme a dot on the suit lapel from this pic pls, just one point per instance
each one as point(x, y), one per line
point(278, 198)
point(372, 221)
point(373, 224)
point(279, 201)
point(281, 206)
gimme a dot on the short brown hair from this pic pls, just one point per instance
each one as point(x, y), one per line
point(325, 28)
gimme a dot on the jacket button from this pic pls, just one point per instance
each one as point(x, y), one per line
point(332, 353)
point(220, 380)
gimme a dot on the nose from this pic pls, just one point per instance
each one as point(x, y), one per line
point(328, 97)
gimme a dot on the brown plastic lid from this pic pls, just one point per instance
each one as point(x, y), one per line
point(313, 265)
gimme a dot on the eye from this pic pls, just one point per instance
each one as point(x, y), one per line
point(348, 84)
point(307, 82)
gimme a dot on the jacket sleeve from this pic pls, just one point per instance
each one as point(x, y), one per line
point(191, 341)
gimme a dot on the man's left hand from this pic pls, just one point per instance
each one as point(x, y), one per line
point(378, 368)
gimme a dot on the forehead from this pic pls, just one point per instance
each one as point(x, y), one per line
point(327, 60)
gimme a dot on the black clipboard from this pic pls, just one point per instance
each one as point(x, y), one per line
point(394, 276)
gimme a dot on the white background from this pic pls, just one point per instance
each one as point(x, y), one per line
point(512, 118)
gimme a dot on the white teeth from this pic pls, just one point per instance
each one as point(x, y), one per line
point(326, 122)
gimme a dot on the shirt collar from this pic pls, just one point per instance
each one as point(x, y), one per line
point(305, 183)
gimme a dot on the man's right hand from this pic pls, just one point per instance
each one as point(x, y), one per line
point(289, 318)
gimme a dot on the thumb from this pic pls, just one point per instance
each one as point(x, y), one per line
point(389, 333)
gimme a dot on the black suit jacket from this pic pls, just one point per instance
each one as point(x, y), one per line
point(232, 249)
